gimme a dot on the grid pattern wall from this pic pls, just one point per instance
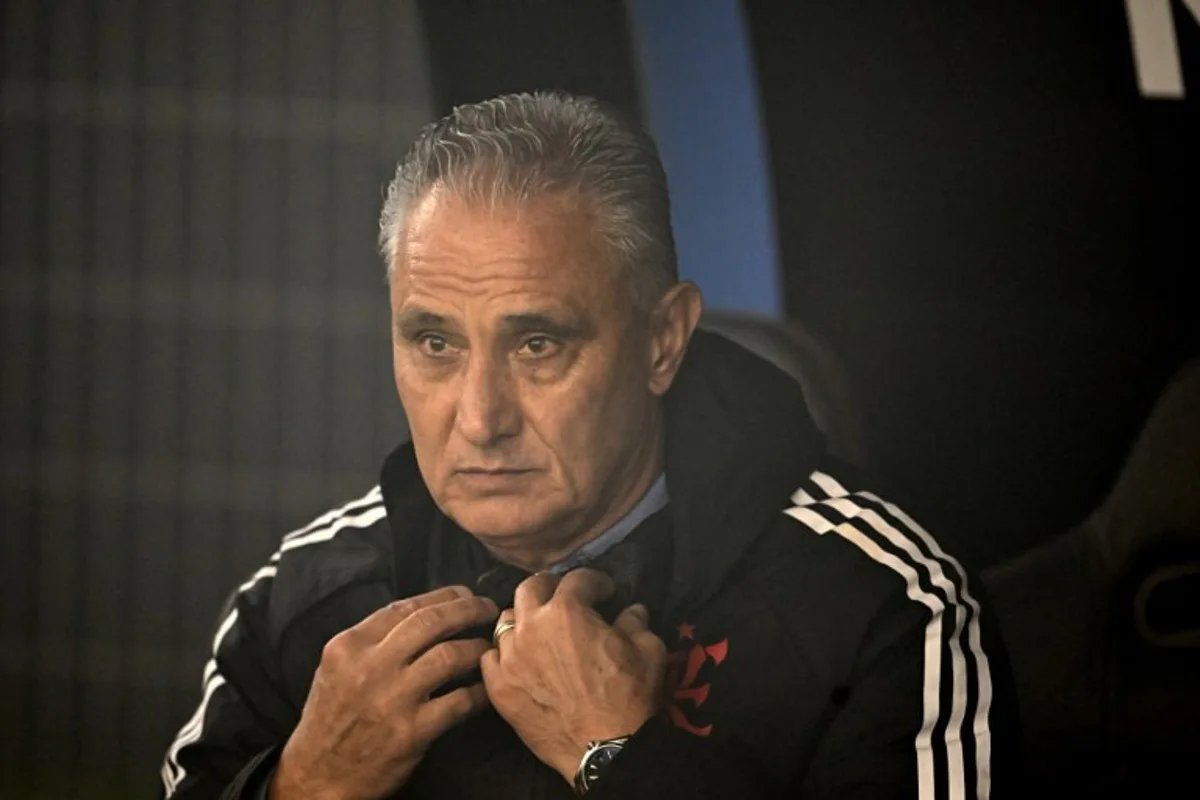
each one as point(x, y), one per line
point(194, 353)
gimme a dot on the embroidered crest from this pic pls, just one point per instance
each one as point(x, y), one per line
point(689, 668)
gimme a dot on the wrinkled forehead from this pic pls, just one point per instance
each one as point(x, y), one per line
point(546, 245)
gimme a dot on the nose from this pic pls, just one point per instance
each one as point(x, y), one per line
point(488, 411)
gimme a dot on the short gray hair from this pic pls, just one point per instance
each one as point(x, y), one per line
point(519, 147)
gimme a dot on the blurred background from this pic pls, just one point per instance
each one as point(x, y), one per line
point(987, 210)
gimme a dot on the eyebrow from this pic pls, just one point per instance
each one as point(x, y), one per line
point(543, 322)
point(413, 320)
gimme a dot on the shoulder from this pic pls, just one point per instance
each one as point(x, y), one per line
point(856, 557)
point(331, 537)
point(838, 513)
point(348, 545)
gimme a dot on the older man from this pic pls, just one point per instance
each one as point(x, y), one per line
point(613, 559)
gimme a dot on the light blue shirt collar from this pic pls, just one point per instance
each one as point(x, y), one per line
point(655, 499)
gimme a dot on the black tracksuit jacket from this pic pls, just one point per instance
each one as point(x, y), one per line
point(823, 643)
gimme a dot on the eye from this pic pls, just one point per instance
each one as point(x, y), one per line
point(433, 345)
point(538, 347)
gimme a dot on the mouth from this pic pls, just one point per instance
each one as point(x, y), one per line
point(493, 472)
point(479, 481)
point(486, 476)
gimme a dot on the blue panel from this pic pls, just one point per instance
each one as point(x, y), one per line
point(701, 100)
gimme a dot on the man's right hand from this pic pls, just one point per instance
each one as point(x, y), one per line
point(369, 719)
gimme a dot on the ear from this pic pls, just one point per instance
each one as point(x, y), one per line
point(672, 323)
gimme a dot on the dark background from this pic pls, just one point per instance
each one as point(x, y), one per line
point(996, 231)
point(974, 204)
point(195, 352)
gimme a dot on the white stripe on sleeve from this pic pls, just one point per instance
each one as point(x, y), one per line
point(362, 513)
point(895, 528)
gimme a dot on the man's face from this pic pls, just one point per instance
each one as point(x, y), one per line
point(523, 369)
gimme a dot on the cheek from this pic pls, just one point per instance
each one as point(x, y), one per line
point(430, 416)
point(404, 385)
point(397, 371)
point(585, 424)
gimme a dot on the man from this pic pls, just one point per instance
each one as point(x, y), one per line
point(613, 559)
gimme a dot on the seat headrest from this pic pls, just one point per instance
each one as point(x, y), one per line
point(1155, 502)
point(811, 362)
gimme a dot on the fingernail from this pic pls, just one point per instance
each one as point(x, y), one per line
point(641, 611)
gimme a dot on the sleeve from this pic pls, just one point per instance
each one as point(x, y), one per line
point(914, 724)
point(229, 746)
point(932, 715)
point(929, 710)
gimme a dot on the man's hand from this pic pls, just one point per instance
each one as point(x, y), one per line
point(369, 719)
point(562, 677)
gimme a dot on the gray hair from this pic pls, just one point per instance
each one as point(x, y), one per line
point(520, 147)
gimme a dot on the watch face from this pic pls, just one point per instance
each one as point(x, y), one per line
point(595, 763)
point(603, 757)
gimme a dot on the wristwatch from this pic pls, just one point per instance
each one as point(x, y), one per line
point(595, 762)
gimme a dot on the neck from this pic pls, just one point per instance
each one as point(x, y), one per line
point(614, 504)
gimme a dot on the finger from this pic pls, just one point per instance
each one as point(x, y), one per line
point(533, 593)
point(380, 623)
point(585, 586)
point(633, 620)
point(489, 667)
point(443, 662)
point(494, 679)
point(652, 648)
point(507, 616)
point(442, 713)
point(427, 626)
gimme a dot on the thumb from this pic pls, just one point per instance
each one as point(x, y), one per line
point(633, 620)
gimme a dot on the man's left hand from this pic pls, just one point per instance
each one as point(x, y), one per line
point(563, 677)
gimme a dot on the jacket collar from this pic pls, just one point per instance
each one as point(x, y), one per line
point(739, 442)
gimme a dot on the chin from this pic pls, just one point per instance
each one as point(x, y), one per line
point(494, 519)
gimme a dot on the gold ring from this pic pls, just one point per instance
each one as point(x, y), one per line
point(502, 628)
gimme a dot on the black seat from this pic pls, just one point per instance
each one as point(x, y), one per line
point(808, 359)
point(1103, 623)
